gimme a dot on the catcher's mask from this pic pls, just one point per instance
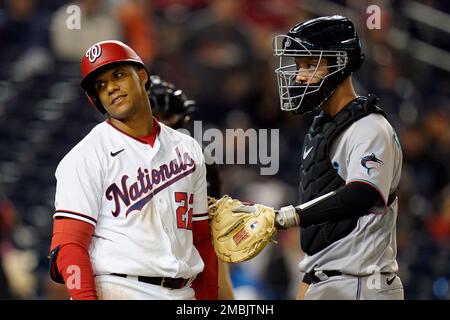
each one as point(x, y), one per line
point(332, 38)
point(101, 55)
point(166, 100)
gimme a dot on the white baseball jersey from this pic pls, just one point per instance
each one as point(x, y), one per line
point(142, 200)
point(368, 151)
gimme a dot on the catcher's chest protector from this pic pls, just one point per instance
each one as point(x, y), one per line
point(317, 175)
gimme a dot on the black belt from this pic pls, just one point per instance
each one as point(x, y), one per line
point(171, 283)
point(311, 277)
point(315, 276)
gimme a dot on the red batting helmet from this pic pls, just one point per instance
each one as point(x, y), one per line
point(100, 55)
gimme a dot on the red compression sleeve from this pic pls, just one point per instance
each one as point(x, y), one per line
point(73, 261)
point(206, 284)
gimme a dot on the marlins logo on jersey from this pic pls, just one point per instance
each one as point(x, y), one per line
point(371, 162)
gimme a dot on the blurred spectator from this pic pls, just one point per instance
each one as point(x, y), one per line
point(17, 280)
point(135, 17)
point(7, 213)
point(429, 173)
point(281, 272)
point(168, 4)
point(96, 24)
point(438, 224)
point(246, 285)
point(53, 290)
point(437, 129)
point(21, 28)
point(24, 41)
point(272, 14)
point(19, 267)
point(219, 56)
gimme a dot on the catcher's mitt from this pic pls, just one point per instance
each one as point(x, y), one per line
point(240, 232)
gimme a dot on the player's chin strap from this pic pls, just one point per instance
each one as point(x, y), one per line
point(288, 217)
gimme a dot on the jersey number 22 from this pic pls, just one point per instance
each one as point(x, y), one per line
point(184, 211)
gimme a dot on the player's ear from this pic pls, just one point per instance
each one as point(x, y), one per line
point(143, 76)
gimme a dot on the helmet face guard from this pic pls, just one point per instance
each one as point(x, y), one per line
point(330, 38)
point(304, 97)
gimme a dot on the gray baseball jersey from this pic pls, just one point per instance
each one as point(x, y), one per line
point(368, 151)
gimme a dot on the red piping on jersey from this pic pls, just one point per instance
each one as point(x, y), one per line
point(150, 139)
point(77, 214)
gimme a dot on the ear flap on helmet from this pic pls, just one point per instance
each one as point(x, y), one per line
point(95, 102)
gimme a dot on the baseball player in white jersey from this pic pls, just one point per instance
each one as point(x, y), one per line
point(130, 216)
point(350, 167)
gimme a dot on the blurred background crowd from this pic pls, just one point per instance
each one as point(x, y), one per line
point(220, 53)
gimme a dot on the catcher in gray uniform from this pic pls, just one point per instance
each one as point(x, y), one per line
point(350, 167)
